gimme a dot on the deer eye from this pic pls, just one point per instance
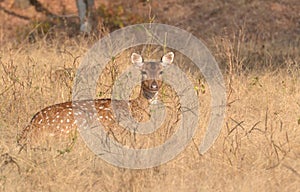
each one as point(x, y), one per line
point(144, 73)
point(161, 72)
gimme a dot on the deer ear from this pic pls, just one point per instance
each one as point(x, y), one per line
point(137, 60)
point(167, 59)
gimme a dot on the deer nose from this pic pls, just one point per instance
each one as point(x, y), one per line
point(154, 85)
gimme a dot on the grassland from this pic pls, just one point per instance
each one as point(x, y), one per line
point(258, 148)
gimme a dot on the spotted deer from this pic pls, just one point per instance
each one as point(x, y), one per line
point(59, 119)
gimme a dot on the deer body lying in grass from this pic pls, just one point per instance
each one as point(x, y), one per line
point(58, 120)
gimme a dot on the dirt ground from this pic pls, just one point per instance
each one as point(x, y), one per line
point(257, 46)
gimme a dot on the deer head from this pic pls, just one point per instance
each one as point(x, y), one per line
point(151, 73)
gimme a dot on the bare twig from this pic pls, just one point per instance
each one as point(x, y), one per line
point(14, 14)
point(292, 169)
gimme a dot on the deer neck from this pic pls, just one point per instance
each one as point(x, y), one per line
point(151, 97)
point(146, 98)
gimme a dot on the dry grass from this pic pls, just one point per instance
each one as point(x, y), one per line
point(258, 148)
